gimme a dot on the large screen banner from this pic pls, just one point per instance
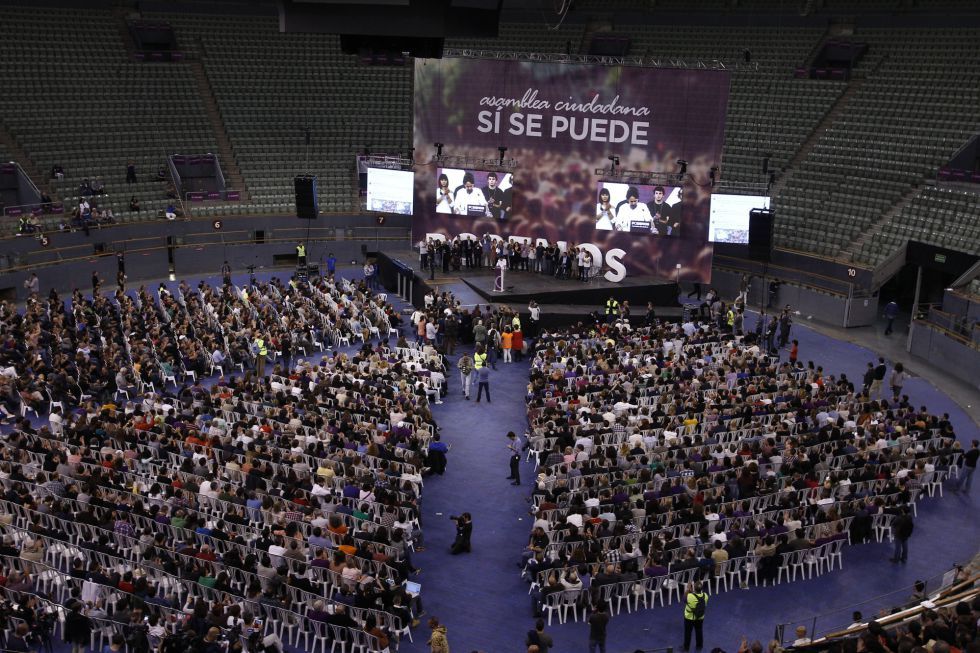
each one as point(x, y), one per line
point(560, 122)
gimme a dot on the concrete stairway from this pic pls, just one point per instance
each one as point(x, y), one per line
point(234, 179)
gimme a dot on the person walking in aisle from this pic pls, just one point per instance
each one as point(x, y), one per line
point(598, 621)
point(695, 604)
point(965, 480)
point(891, 312)
point(515, 458)
point(483, 383)
point(902, 529)
point(897, 380)
point(464, 531)
point(437, 641)
point(465, 365)
point(539, 638)
point(879, 378)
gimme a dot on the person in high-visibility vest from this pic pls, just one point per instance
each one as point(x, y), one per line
point(480, 358)
point(730, 319)
point(301, 255)
point(612, 309)
point(260, 353)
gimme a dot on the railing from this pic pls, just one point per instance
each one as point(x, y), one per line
point(949, 596)
point(200, 240)
point(810, 280)
point(957, 327)
point(838, 620)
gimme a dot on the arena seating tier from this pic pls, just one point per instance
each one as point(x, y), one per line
point(73, 97)
point(860, 176)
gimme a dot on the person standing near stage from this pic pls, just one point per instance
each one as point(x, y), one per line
point(331, 264)
point(226, 273)
point(515, 458)
point(450, 334)
point(612, 309)
point(301, 255)
point(535, 311)
point(507, 344)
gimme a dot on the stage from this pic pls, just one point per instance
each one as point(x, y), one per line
point(521, 287)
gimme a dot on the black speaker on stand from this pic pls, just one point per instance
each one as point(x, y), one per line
point(307, 200)
point(760, 234)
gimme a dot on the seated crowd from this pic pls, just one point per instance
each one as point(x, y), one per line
point(270, 508)
point(680, 452)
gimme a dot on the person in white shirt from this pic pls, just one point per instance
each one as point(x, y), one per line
point(444, 196)
point(470, 201)
point(633, 216)
point(605, 214)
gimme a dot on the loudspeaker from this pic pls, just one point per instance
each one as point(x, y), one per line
point(258, 236)
point(307, 202)
point(760, 234)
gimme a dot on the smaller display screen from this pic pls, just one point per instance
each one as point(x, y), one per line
point(729, 217)
point(390, 191)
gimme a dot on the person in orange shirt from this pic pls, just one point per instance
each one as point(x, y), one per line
point(507, 343)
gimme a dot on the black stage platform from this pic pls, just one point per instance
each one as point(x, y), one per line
point(521, 287)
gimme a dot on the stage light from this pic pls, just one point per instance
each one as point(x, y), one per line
point(439, 147)
point(503, 151)
point(712, 173)
point(682, 164)
point(613, 162)
point(748, 55)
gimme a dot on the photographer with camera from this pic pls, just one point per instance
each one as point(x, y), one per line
point(464, 531)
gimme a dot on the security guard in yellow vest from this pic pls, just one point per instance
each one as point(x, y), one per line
point(480, 358)
point(301, 255)
point(260, 353)
point(515, 324)
point(612, 309)
point(730, 319)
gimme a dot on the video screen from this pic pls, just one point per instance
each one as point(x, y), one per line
point(639, 209)
point(390, 191)
point(474, 193)
point(728, 217)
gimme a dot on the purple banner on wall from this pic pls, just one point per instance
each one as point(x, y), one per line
point(561, 122)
